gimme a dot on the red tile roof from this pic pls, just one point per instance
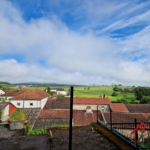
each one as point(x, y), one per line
point(125, 117)
point(31, 95)
point(57, 114)
point(79, 116)
point(83, 100)
point(64, 102)
point(138, 108)
point(118, 107)
point(13, 93)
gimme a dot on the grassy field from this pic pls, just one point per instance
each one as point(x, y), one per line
point(94, 91)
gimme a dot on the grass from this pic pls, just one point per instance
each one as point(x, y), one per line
point(93, 92)
point(18, 115)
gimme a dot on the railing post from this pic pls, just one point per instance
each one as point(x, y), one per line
point(136, 134)
point(97, 114)
point(110, 119)
point(71, 112)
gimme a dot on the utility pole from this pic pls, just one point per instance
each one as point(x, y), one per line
point(71, 117)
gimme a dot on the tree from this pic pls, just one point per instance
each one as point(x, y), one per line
point(114, 93)
point(88, 88)
point(104, 96)
point(48, 88)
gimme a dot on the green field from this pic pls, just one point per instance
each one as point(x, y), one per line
point(94, 91)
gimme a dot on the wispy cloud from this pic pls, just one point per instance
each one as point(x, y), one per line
point(53, 52)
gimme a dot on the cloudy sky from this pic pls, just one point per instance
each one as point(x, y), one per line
point(75, 41)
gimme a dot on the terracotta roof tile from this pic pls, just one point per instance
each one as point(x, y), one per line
point(57, 114)
point(64, 102)
point(79, 116)
point(138, 108)
point(125, 117)
point(31, 95)
point(13, 93)
point(83, 100)
point(58, 103)
point(118, 107)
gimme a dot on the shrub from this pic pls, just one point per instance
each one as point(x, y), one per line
point(0, 114)
point(122, 101)
point(145, 100)
point(114, 93)
point(60, 95)
point(18, 115)
point(37, 131)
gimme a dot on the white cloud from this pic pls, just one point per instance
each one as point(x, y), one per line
point(70, 57)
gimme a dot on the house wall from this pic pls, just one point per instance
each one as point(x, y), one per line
point(61, 92)
point(5, 113)
point(53, 90)
point(43, 102)
point(12, 108)
point(1, 92)
point(93, 107)
point(36, 103)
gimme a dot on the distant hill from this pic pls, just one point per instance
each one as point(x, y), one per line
point(44, 84)
point(4, 83)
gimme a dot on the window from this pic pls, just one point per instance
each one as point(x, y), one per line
point(18, 104)
point(31, 104)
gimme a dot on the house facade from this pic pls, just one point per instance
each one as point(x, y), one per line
point(30, 99)
point(2, 91)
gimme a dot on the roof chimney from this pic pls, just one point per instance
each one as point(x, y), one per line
point(19, 88)
point(88, 110)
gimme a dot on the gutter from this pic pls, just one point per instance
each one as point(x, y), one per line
point(103, 117)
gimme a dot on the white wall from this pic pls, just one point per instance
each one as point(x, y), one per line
point(1, 92)
point(36, 103)
point(53, 90)
point(62, 92)
point(43, 102)
point(5, 113)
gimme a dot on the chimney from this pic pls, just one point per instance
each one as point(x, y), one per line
point(88, 110)
point(19, 88)
point(100, 96)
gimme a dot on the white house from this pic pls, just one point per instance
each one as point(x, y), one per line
point(59, 91)
point(30, 99)
point(2, 91)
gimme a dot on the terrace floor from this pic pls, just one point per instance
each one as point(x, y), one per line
point(12, 140)
point(82, 139)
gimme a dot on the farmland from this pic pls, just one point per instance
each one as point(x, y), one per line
point(91, 91)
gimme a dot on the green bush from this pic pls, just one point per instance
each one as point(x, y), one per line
point(114, 93)
point(18, 115)
point(145, 100)
point(37, 131)
point(122, 101)
point(0, 114)
point(60, 95)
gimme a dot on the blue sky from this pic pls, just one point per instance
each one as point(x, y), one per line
point(75, 42)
